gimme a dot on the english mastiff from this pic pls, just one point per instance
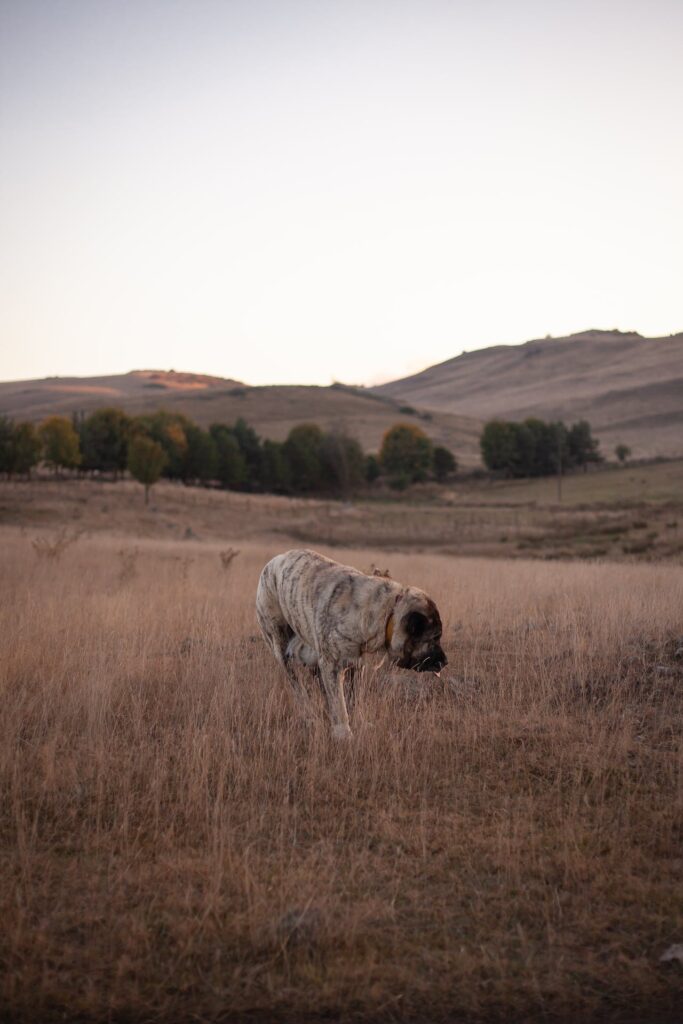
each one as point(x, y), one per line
point(317, 612)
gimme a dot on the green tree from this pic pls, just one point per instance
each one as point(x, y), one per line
point(583, 447)
point(302, 449)
point(622, 452)
point(25, 448)
point(445, 463)
point(373, 469)
point(406, 453)
point(231, 467)
point(342, 463)
point(146, 460)
point(104, 440)
point(250, 446)
point(60, 443)
point(20, 447)
point(530, 448)
point(498, 444)
point(6, 436)
point(201, 456)
point(277, 475)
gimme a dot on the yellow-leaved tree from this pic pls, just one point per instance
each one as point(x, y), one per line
point(61, 447)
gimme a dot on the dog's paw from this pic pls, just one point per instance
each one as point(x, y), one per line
point(341, 732)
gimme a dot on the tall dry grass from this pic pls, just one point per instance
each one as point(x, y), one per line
point(176, 842)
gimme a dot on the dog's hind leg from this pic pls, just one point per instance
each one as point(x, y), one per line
point(279, 636)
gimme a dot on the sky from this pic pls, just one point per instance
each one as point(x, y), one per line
point(304, 191)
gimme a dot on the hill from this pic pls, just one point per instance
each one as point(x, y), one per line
point(271, 410)
point(630, 388)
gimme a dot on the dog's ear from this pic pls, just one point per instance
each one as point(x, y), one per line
point(416, 623)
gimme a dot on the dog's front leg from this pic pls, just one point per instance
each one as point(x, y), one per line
point(333, 686)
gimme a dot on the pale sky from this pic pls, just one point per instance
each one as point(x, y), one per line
point(324, 190)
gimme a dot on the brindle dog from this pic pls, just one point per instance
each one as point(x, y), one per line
point(320, 613)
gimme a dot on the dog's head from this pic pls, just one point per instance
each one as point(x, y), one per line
point(416, 633)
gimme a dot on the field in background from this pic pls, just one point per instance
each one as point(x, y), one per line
point(658, 482)
point(176, 842)
point(627, 514)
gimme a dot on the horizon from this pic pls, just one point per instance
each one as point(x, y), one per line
point(346, 383)
point(305, 193)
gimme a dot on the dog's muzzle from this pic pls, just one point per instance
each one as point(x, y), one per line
point(433, 662)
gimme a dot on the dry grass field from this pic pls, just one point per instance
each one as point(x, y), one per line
point(177, 844)
point(618, 514)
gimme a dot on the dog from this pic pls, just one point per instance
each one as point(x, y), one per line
point(319, 613)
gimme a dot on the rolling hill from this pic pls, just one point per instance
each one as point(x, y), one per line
point(630, 388)
point(272, 410)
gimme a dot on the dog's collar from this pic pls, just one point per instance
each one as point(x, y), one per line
point(389, 628)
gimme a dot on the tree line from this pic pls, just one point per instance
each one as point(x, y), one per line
point(310, 460)
point(536, 448)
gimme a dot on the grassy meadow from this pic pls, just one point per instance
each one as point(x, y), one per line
point(178, 842)
point(630, 514)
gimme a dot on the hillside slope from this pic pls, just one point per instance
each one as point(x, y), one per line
point(272, 410)
point(629, 387)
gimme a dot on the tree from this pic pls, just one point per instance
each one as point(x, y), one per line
point(20, 447)
point(25, 449)
point(169, 430)
point(372, 468)
point(445, 463)
point(104, 440)
point(6, 437)
point(498, 444)
point(583, 447)
point(276, 473)
point(201, 456)
point(406, 453)
point(302, 449)
point(250, 446)
point(342, 463)
point(622, 452)
point(537, 448)
point(541, 448)
point(60, 443)
point(231, 468)
point(146, 459)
